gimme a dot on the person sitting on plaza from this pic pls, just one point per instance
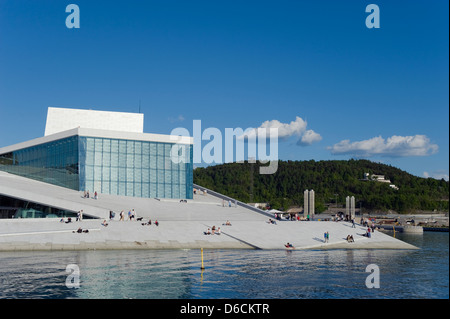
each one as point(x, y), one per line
point(367, 234)
point(149, 223)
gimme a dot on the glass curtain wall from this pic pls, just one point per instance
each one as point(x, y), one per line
point(135, 168)
point(54, 162)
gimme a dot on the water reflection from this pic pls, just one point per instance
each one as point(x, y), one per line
point(230, 273)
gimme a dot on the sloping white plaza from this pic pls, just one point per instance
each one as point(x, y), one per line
point(181, 224)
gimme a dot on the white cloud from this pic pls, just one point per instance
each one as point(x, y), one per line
point(309, 137)
point(286, 130)
point(296, 127)
point(394, 146)
point(437, 175)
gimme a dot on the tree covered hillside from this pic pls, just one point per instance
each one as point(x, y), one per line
point(285, 188)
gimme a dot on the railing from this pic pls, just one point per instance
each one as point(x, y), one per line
point(233, 201)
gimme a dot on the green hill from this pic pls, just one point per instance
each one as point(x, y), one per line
point(285, 188)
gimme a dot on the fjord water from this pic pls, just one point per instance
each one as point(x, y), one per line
point(262, 274)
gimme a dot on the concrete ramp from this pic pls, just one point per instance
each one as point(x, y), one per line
point(181, 224)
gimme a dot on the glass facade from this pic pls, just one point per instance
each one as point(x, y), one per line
point(108, 166)
point(17, 208)
point(135, 168)
point(54, 162)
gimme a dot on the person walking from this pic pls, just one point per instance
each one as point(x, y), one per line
point(353, 223)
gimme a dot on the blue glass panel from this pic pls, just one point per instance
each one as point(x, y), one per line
point(153, 149)
point(145, 148)
point(122, 146)
point(89, 185)
point(145, 175)
point(130, 147)
point(153, 161)
point(122, 174)
point(130, 189)
point(167, 176)
point(153, 190)
point(160, 190)
point(145, 161)
point(153, 177)
point(114, 188)
point(114, 174)
point(114, 159)
point(137, 147)
point(106, 171)
point(106, 159)
point(122, 188)
point(130, 160)
point(90, 172)
point(137, 189)
point(137, 175)
point(145, 190)
point(122, 160)
point(98, 158)
point(130, 174)
point(106, 145)
point(114, 146)
point(168, 191)
point(160, 149)
point(137, 161)
point(160, 176)
point(97, 187)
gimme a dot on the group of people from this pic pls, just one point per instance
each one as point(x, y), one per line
point(149, 223)
point(326, 236)
point(131, 215)
point(368, 223)
point(229, 203)
point(213, 231)
point(81, 230)
point(87, 195)
point(69, 219)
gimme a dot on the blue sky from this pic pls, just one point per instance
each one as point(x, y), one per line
point(380, 94)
